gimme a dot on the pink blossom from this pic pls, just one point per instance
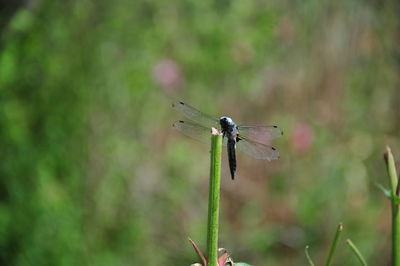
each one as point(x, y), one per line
point(302, 137)
point(167, 74)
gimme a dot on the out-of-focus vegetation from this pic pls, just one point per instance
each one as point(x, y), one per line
point(92, 172)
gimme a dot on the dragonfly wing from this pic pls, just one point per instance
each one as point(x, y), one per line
point(195, 131)
point(195, 115)
point(261, 134)
point(257, 150)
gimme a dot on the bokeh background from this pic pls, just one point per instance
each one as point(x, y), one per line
point(92, 173)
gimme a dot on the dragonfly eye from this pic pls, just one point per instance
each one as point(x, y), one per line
point(224, 119)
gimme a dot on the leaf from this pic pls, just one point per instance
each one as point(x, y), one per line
point(242, 264)
point(389, 194)
point(356, 252)
point(223, 258)
point(384, 190)
point(198, 251)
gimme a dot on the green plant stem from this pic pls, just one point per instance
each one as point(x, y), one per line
point(310, 262)
point(334, 244)
point(395, 234)
point(213, 200)
point(357, 252)
point(393, 181)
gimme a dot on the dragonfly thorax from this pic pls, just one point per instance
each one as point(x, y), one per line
point(229, 128)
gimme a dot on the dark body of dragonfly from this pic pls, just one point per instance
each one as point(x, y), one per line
point(252, 140)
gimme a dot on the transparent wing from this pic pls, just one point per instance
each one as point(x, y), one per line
point(198, 132)
point(195, 115)
point(249, 147)
point(257, 150)
point(261, 134)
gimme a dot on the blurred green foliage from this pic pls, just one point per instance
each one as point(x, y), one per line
point(92, 173)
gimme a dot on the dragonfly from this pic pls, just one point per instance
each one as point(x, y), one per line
point(251, 140)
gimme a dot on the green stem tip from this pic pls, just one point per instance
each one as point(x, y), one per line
point(394, 188)
point(310, 262)
point(391, 168)
point(334, 244)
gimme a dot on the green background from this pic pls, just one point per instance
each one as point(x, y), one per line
point(92, 172)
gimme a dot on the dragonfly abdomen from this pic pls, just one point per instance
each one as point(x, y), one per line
point(232, 157)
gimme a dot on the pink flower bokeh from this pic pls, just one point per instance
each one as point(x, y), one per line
point(302, 137)
point(168, 75)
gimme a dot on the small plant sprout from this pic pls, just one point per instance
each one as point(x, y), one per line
point(333, 249)
point(356, 252)
point(309, 260)
point(334, 245)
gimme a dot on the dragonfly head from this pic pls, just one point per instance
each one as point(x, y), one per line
point(226, 123)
